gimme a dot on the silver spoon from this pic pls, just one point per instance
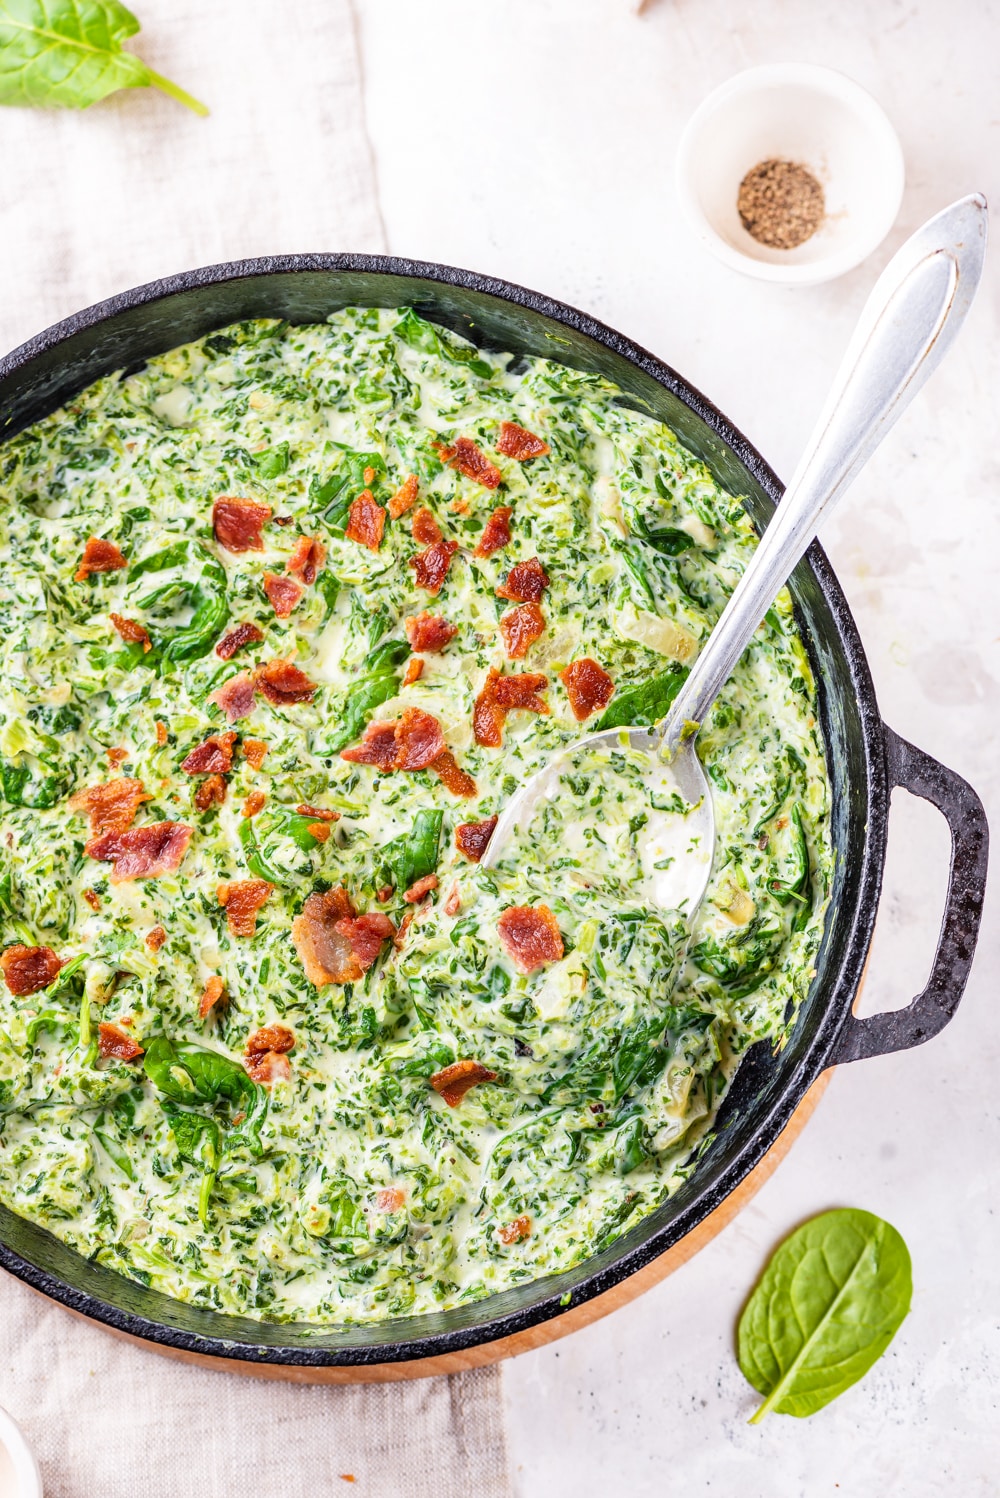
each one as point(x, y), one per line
point(917, 306)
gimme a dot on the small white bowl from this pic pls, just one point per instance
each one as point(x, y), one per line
point(810, 115)
point(19, 1474)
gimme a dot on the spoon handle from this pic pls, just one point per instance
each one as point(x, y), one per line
point(917, 306)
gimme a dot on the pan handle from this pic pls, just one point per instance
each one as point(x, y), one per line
point(931, 1010)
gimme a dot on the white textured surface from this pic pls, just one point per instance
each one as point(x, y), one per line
point(534, 139)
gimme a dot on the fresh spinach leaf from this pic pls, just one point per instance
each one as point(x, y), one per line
point(68, 54)
point(273, 461)
point(199, 1142)
point(377, 685)
point(646, 703)
point(423, 335)
point(331, 498)
point(412, 855)
point(281, 822)
point(187, 1073)
point(202, 597)
point(827, 1306)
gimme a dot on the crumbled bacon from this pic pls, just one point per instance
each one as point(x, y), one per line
point(99, 556)
point(429, 632)
point(464, 455)
point(399, 940)
point(413, 742)
point(211, 792)
point(237, 523)
point(242, 899)
point(254, 752)
point(453, 904)
point(161, 734)
point(454, 1081)
point(243, 634)
point(425, 528)
point(253, 803)
point(588, 686)
point(270, 1038)
point(365, 521)
point(155, 937)
point(518, 443)
point(530, 936)
point(414, 671)
point(111, 807)
point(235, 696)
point(284, 593)
point(520, 628)
point(431, 566)
point(498, 696)
point(142, 852)
point(319, 830)
point(132, 632)
point(390, 1199)
point(112, 1040)
point(92, 898)
point(496, 532)
point(213, 757)
point(265, 1056)
point(422, 887)
point(29, 969)
point(116, 757)
point(488, 716)
point(525, 582)
point(306, 561)
point(368, 476)
point(214, 990)
point(472, 838)
point(322, 813)
point(268, 1068)
point(281, 683)
point(454, 779)
point(384, 894)
point(514, 1232)
point(335, 945)
point(404, 497)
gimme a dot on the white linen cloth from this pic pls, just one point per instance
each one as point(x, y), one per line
point(92, 203)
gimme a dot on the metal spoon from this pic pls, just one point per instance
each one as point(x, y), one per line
point(917, 306)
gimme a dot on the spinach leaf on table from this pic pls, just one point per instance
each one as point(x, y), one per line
point(827, 1306)
point(69, 53)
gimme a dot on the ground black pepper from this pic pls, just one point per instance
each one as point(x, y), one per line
point(780, 203)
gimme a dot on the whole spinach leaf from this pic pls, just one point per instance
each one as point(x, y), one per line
point(412, 855)
point(69, 53)
point(187, 1073)
point(827, 1306)
point(199, 1142)
point(379, 682)
point(646, 703)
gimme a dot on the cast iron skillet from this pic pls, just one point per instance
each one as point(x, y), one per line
point(866, 761)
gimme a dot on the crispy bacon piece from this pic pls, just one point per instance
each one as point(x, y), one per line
point(111, 807)
point(384, 894)
point(588, 686)
point(214, 990)
point(422, 887)
point(464, 455)
point(454, 1081)
point(414, 671)
point(211, 792)
point(282, 683)
point(112, 1040)
point(213, 757)
point(525, 582)
point(472, 838)
point(320, 831)
point(365, 521)
point(155, 937)
point(454, 779)
point(253, 804)
point(496, 532)
point(520, 628)
point(518, 443)
point(498, 696)
point(264, 1057)
point(270, 1038)
point(335, 945)
point(142, 852)
point(92, 898)
point(269, 1068)
point(29, 969)
point(99, 556)
point(306, 561)
point(237, 523)
point(488, 716)
point(530, 936)
point(431, 566)
point(235, 696)
point(243, 634)
point(161, 734)
point(429, 632)
point(404, 498)
point(254, 752)
point(284, 593)
point(399, 940)
point(390, 1199)
point(453, 904)
point(425, 528)
point(116, 757)
point(514, 1232)
point(242, 899)
point(413, 742)
point(322, 813)
point(132, 632)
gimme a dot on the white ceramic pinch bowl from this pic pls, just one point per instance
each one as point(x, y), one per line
point(19, 1474)
point(815, 117)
